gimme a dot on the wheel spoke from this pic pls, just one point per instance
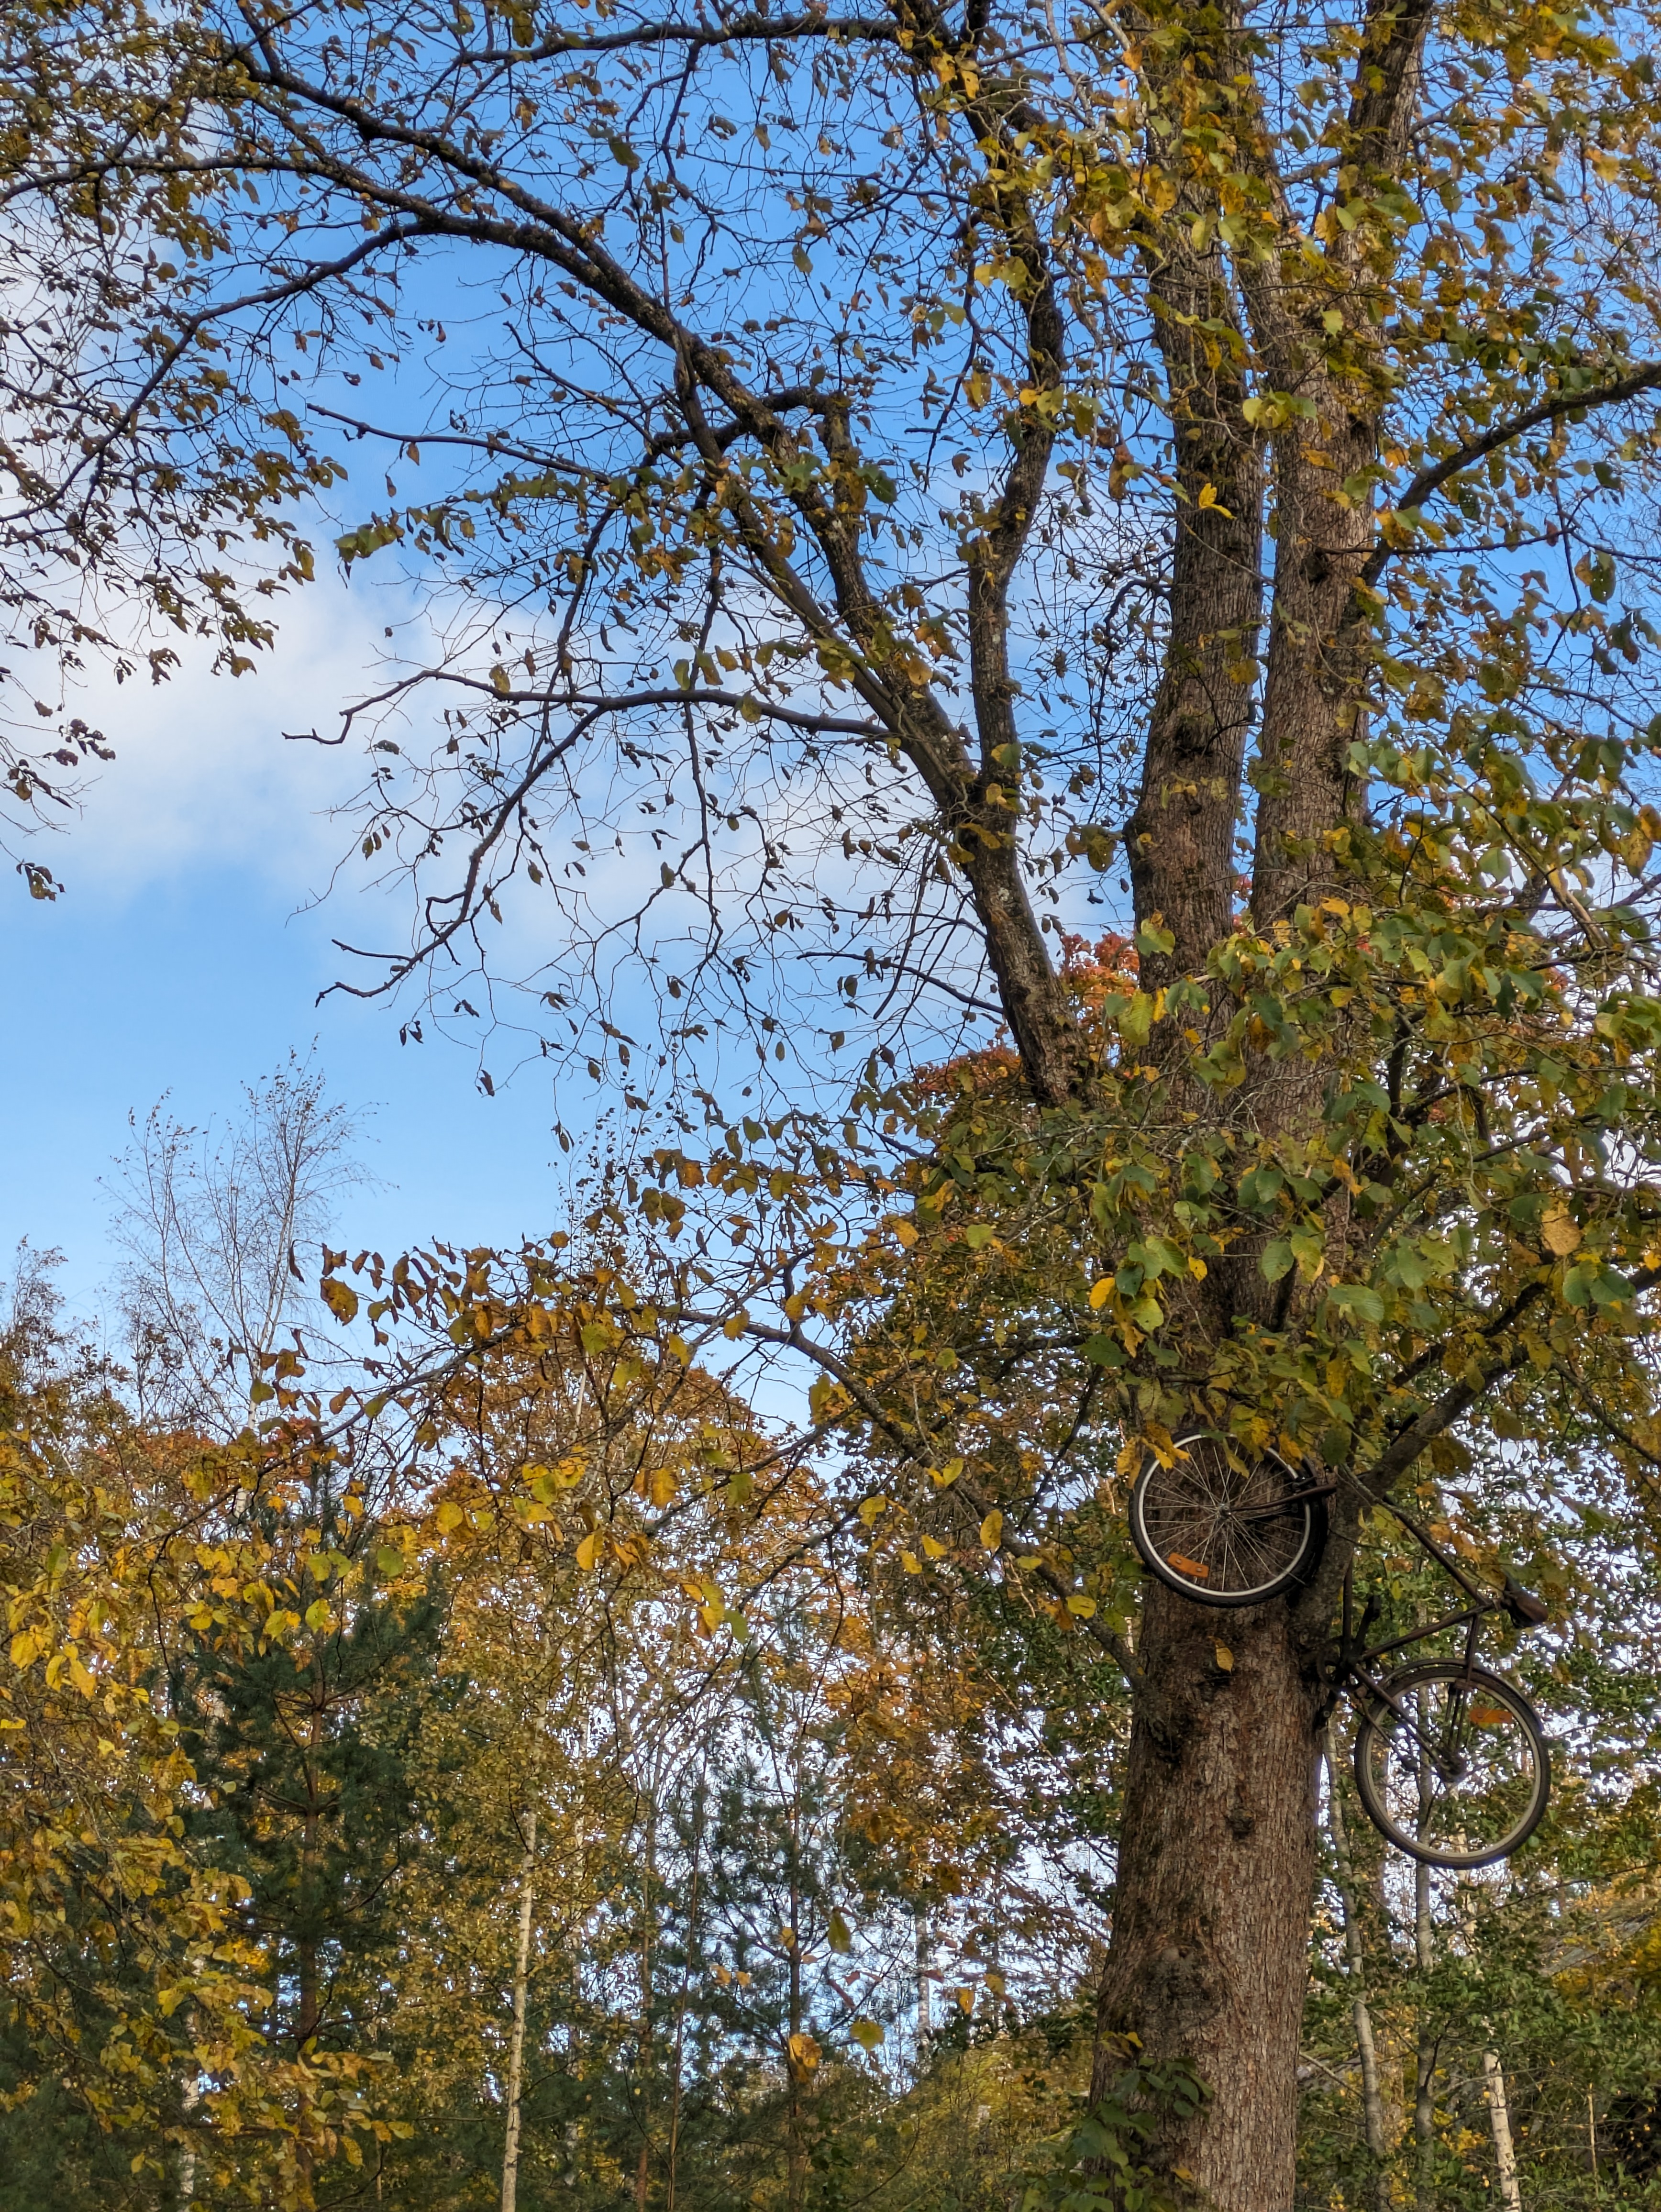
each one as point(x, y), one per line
point(1221, 1529)
point(1458, 1774)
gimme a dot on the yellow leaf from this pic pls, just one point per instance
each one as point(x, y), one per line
point(1560, 1232)
point(911, 1563)
point(992, 1530)
point(945, 1476)
point(450, 1516)
point(81, 1679)
point(1225, 1658)
point(662, 1486)
point(1196, 1269)
point(804, 2053)
point(965, 2000)
point(1101, 1293)
point(317, 1614)
point(588, 1551)
point(25, 1649)
point(868, 2034)
point(340, 1298)
point(838, 1934)
point(1084, 1606)
point(933, 1548)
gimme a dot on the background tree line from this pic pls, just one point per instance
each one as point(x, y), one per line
point(515, 1800)
point(871, 492)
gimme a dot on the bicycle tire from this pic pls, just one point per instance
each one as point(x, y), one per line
point(1221, 1531)
point(1446, 1822)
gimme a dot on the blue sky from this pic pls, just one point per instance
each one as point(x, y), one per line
point(187, 955)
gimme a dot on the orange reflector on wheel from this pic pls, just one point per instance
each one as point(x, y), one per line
point(1187, 1566)
point(1490, 1715)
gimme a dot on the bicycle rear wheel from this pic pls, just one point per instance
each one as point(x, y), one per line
point(1223, 1531)
point(1453, 1769)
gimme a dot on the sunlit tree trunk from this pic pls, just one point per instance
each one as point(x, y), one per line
point(796, 2069)
point(1505, 2154)
point(308, 2014)
point(516, 2047)
point(190, 2099)
point(1424, 2097)
point(690, 1954)
point(1373, 2103)
point(643, 2165)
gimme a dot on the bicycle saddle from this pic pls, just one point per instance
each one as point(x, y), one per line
point(1525, 1608)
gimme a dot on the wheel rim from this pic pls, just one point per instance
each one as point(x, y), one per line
point(1223, 1531)
point(1457, 1777)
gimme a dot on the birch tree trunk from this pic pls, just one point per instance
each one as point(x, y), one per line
point(922, 1990)
point(1494, 2082)
point(1424, 2101)
point(189, 2100)
point(1372, 2104)
point(1505, 2154)
point(516, 2048)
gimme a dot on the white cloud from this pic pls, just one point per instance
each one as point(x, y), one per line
point(203, 775)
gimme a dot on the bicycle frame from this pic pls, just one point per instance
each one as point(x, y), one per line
point(1354, 1656)
point(1352, 1663)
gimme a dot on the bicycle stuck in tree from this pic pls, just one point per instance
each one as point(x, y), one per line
point(1452, 1762)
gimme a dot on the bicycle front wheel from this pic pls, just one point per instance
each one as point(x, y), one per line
point(1223, 1531)
point(1452, 1767)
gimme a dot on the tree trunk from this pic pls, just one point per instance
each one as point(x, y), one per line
point(190, 2098)
point(516, 2047)
point(1209, 1961)
point(309, 2016)
point(1424, 2101)
point(794, 2068)
point(923, 1955)
point(690, 1953)
point(1505, 2154)
point(1373, 2103)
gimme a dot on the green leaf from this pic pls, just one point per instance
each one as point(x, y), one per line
point(1135, 1017)
point(1261, 1187)
point(1275, 1260)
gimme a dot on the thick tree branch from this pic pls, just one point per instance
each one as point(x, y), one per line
point(1430, 480)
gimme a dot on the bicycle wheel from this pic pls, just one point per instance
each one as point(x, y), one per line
point(1454, 1769)
point(1222, 1531)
